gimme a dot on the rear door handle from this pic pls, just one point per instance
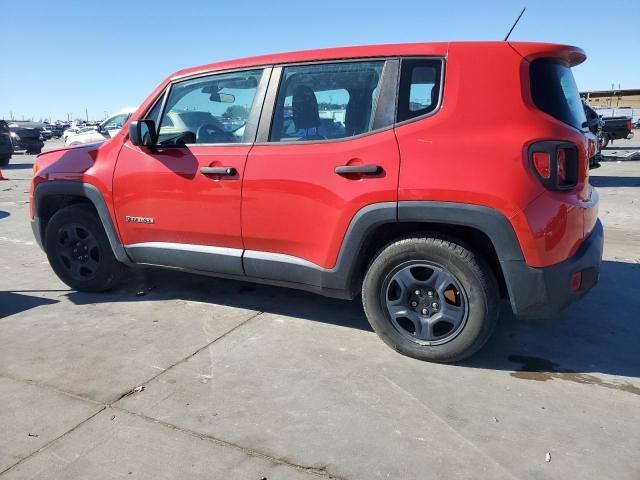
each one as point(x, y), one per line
point(359, 169)
point(227, 171)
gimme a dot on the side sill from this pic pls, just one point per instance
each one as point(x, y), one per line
point(188, 257)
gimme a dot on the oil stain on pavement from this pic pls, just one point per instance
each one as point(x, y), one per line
point(541, 370)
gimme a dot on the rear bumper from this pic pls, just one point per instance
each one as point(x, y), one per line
point(544, 292)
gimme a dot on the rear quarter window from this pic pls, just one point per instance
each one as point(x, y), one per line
point(419, 92)
point(555, 92)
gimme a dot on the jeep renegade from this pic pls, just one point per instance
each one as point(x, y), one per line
point(434, 179)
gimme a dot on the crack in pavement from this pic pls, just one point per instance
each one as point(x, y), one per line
point(49, 443)
point(321, 472)
point(449, 427)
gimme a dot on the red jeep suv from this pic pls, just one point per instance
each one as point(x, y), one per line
point(434, 179)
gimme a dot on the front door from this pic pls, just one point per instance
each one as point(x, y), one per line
point(178, 204)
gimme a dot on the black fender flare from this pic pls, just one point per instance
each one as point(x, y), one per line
point(78, 189)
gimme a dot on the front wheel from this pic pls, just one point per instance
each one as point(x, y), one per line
point(431, 298)
point(79, 251)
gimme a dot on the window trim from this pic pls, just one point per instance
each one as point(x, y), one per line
point(443, 65)
point(252, 120)
point(266, 121)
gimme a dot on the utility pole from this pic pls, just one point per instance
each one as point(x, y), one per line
point(613, 86)
point(87, 114)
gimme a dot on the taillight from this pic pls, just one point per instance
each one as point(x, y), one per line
point(555, 164)
point(629, 124)
point(561, 158)
point(542, 164)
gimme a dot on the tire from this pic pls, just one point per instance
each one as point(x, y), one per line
point(4, 161)
point(77, 230)
point(446, 335)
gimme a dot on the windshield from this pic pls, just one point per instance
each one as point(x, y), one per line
point(555, 92)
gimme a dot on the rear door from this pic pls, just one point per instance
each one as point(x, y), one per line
point(325, 150)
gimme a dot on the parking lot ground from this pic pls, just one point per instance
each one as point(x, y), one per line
point(179, 376)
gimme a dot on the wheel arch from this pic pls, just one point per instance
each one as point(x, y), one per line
point(51, 196)
point(483, 229)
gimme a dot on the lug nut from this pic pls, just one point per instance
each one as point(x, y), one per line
point(425, 311)
point(430, 293)
point(417, 292)
point(435, 305)
point(414, 304)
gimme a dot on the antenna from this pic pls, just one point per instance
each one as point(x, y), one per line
point(514, 24)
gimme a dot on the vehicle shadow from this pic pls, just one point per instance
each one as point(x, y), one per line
point(18, 166)
point(609, 181)
point(599, 334)
point(12, 303)
point(4, 214)
point(613, 147)
point(156, 284)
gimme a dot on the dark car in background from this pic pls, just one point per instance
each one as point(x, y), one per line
point(616, 128)
point(6, 148)
point(26, 138)
point(56, 130)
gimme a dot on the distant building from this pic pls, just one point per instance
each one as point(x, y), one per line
point(620, 98)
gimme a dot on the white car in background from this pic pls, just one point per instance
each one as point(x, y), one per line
point(104, 131)
point(71, 131)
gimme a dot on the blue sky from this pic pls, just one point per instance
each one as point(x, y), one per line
point(64, 56)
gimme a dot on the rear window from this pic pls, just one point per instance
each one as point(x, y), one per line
point(554, 91)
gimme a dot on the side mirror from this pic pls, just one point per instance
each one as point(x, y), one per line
point(143, 133)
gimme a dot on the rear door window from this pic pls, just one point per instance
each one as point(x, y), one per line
point(326, 101)
point(555, 92)
point(420, 82)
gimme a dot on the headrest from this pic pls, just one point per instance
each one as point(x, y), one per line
point(304, 107)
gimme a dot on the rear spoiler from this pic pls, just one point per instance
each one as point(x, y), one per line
point(532, 51)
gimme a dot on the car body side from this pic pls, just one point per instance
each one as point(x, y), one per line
point(473, 183)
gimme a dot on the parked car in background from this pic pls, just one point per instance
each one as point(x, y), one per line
point(101, 132)
point(57, 131)
point(616, 128)
point(26, 138)
point(229, 169)
point(70, 131)
point(6, 147)
point(595, 124)
point(46, 132)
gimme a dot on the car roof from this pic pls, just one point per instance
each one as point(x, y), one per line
point(528, 50)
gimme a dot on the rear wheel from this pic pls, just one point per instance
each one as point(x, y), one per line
point(431, 298)
point(79, 251)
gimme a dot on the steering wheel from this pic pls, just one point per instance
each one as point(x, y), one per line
point(211, 133)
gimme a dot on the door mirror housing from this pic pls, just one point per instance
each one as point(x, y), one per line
point(143, 133)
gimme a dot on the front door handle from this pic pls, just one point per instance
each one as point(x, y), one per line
point(227, 171)
point(358, 169)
